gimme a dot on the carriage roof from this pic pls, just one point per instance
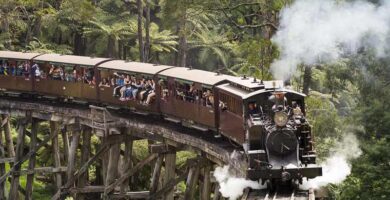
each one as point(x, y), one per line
point(137, 67)
point(194, 75)
point(70, 59)
point(17, 55)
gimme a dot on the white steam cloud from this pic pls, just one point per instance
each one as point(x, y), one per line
point(321, 31)
point(233, 187)
point(337, 167)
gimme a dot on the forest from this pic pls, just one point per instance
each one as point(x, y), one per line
point(347, 96)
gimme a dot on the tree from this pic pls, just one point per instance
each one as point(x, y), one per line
point(161, 42)
point(139, 32)
point(75, 15)
point(110, 33)
point(147, 32)
point(212, 47)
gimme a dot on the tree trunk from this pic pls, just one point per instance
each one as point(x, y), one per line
point(182, 41)
point(120, 49)
point(124, 51)
point(110, 47)
point(5, 24)
point(140, 38)
point(307, 79)
point(36, 31)
point(147, 31)
point(59, 39)
point(78, 43)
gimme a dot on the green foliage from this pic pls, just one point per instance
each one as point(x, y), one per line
point(326, 123)
point(370, 177)
point(162, 41)
point(37, 46)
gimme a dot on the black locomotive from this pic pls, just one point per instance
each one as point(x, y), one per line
point(281, 144)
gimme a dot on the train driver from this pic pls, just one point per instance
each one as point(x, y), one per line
point(253, 109)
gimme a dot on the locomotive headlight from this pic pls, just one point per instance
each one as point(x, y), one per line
point(281, 118)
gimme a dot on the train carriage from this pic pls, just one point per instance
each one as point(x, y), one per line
point(14, 77)
point(200, 108)
point(53, 65)
point(112, 68)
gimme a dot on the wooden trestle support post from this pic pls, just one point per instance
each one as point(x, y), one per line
point(68, 136)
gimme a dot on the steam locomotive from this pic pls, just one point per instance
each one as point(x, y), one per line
point(280, 147)
point(265, 118)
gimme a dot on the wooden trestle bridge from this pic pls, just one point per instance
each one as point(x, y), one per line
point(77, 123)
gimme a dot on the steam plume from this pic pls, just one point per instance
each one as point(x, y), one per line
point(230, 186)
point(336, 168)
point(321, 31)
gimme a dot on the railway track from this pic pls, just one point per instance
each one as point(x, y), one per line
point(280, 194)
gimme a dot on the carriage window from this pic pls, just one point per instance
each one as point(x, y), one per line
point(9, 68)
point(68, 73)
point(187, 92)
point(207, 97)
point(231, 104)
point(164, 89)
point(5, 68)
point(133, 88)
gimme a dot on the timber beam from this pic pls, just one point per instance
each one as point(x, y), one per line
point(163, 148)
point(113, 156)
point(130, 172)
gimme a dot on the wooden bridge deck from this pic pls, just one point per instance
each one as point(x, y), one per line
point(76, 123)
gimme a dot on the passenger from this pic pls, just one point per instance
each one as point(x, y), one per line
point(151, 95)
point(145, 92)
point(19, 70)
point(252, 109)
point(208, 98)
point(149, 90)
point(112, 81)
point(192, 93)
point(2, 70)
point(35, 70)
point(6, 69)
point(164, 90)
point(12, 70)
point(26, 70)
point(93, 81)
point(38, 71)
point(51, 71)
point(75, 74)
point(297, 112)
point(89, 74)
point(120, 82)
point(104, 83)
point(136, 86)
point(127, 85)
point(223, 106)
point(56, 73)
point(62, 74)
point(180, 93)
point(69, 77)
